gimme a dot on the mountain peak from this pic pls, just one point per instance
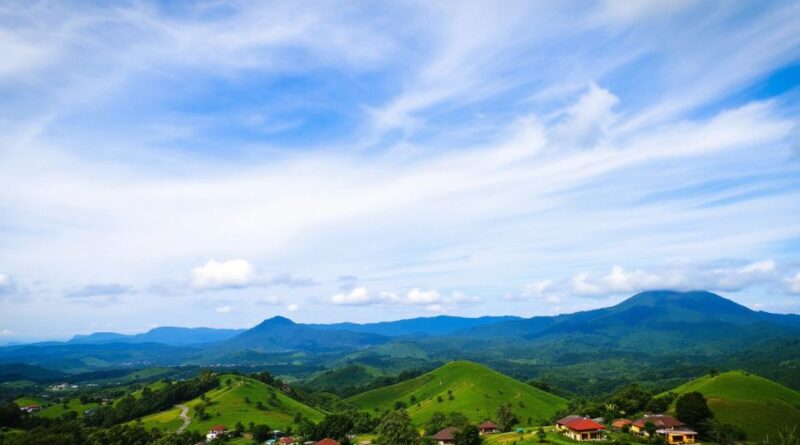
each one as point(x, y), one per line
point(274, 322)
point(700, 300)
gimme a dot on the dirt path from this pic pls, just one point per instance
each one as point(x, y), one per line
point(185, 417)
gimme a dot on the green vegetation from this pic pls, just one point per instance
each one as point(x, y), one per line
point(759, 406)
point(462, 386)
point(244, 400)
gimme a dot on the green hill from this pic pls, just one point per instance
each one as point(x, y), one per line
point(229, 404)
point(760, 406)
point(352, 375)
point(476, 391)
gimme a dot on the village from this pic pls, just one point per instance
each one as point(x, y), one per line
point(650, 428)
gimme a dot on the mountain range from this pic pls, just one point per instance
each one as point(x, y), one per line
point(683, 331)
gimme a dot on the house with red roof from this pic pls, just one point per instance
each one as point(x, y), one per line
point(661, 422)
point(216, 432)
point(580, 428)
point(446, 436)
point(620, 423)
point(327, 442)
point(288, 440)
point(488, 427)
point(30, 408)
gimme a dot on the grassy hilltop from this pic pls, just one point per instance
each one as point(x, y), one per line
point(477, 391)
point(228, 405)
point(760, 406)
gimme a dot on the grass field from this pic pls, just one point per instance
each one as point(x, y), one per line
point(476, 391)
point(56, 409)
point(760, 406)
point(228, 405)
point(529, 437)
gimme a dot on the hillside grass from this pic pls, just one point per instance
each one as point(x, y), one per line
point(758, 405)
point(477, 392)
point(227, 405)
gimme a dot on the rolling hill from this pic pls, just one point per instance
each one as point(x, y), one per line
point(476, 391)
point(228, 404)
point(173, 336)
point(760, 406)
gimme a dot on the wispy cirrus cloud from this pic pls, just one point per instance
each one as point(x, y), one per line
point(534, 143)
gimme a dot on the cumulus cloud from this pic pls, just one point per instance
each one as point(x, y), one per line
point(714, 277)
point(292, 307)
point(793, 284)
point(586, 122)
point(224, 310)
point(6, 284)
point(360, 296)
point(223, 275)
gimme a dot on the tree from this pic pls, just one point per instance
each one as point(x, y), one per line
point(632, 399)
point(335, 426)
point(692, 409)
point(505, 417)
point(468, 435)
point(436, 423)
point(650, 428)
point(660, 404)
point(726, 433)
point(396, 429)
point(541, 434)
point(457, 419)
point(261, 433)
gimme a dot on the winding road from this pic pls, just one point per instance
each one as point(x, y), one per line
point(184, 415)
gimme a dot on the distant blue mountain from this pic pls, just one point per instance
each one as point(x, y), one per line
point(434, 326)
point(172, 336)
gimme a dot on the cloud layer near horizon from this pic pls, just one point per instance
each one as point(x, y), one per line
point(217, 163)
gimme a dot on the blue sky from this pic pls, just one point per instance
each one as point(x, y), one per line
point(218, 163)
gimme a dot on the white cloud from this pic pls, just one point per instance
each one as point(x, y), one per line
point(6, 332)
point(620, 281)
point(224, 310)
point(292, 307)
point(357, 296)
point(225, 274)
point(270, 300)
point(793, 283)
point(586, 122)
point(414, 297)
point(5, 281)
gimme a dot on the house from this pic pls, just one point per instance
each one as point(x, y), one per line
point(581, 428)
point(327, 442)
point(287, 440)
point(446, 436)
point(678, 436)
point(216, 432)
point(661, 422)
point(561, 424)
point(30, 408)
point(620, 423)
point(488, 428)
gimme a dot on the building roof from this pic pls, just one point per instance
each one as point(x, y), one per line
point(328, 442)
point(568, 419)
point(446, 434)
point(218, 428)
point(619, 423)
point(584, 425)
point(685, 432)
point(659, 420)
point(488, 425)
point(288, 439)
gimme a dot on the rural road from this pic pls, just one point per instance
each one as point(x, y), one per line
point(185, 417)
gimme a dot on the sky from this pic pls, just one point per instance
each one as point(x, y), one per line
point(216, 163)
